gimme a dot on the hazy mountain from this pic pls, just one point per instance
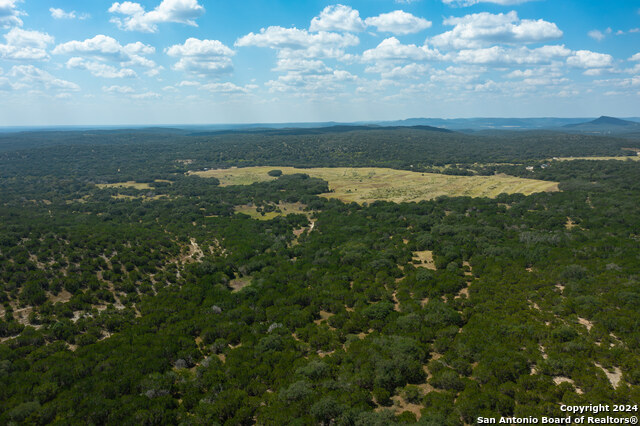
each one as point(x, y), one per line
point(605, 125)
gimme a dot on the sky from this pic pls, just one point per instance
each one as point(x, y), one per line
point(208, 62)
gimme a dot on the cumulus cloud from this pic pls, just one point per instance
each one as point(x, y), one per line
point(410, 71)
point(29, 76)
point(137, 19)
point(295, 42)
point(599, 35)
point(398, 22)
point(481, 29)
point(118, 89)
point(337, 18)
point(61, 14)
point(146, 95)
point(302, 66)
point(203, 57)
point(25, 45)
point(103, 48)
point(391, 49)
point(9, 13)
point(313, 84)
point(228, 88)
point(99, 69)
point(635, 57)
point(498, 55)
point(589, 59)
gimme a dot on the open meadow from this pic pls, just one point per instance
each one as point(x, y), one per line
point(368, 184)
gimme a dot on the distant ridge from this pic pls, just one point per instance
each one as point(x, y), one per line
point(612, 121)
point(320, 130)
point(605, 121)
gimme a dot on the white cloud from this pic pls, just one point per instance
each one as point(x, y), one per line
point(146, 95)
point(589, 59)
point(9, 13)
point(302, 66)
point(118, 89)
point(472, 2)
point(410, 71)
point(203, 57)
point(599, 35)
point(398, 22)
point(391, 49)
point(481, 29)
point(635, 57)
point(311, 85)
point(228, 88)
point(103, 48)
point(136, 19)
point(29, 76)
point(25, 45)
point(546, 71)
point(61, 14)
point(187, 83)
point(337, 18)
point(294, 42)
point(5, 85)
point(99, 69)
point(498, 55)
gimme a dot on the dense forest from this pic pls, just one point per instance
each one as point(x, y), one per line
point(155, 302)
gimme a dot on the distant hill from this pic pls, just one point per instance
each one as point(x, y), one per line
point(606, 121)
point(320, 130)
point(605, 125)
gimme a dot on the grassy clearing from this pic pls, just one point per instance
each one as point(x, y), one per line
point(282, 209)
point(626, 158)
point(424, 259)
point(129, 184)
point(368, 184)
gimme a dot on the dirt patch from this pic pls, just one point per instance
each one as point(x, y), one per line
point(423, 259)
point(558, 380)
point(239, 283)
point(543, 351)
point(570, 224)
point(62, 297)
point(396, 303)
point(324, 316)
point(586, 323)
point(614, 377)
point(468, 269)
point(463, 292)
point(400, 406)
point(195, 252)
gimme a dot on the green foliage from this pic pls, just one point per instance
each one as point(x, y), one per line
point(158, 304)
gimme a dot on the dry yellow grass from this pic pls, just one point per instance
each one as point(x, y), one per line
point(424, 259)
point(626, 158)
point(128, 184)
point(368, 184)
point(285, 209)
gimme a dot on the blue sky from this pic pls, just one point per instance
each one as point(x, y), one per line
point(198, 61)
